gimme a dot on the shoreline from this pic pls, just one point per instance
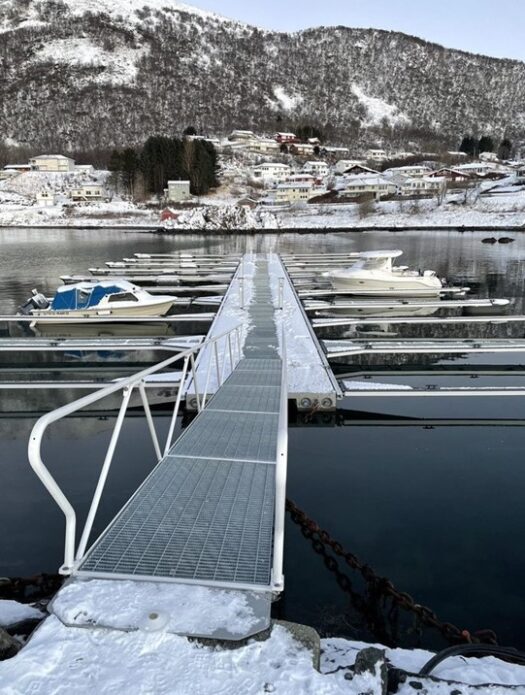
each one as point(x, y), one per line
point(149, 229)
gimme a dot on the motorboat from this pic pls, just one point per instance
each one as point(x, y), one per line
point(374, 274)
point(108, 299)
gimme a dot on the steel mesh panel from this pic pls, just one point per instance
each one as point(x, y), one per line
point(244, 436)
point(254, 399)
point(194, 519)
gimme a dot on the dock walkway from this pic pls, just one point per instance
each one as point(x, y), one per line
point(206, 514)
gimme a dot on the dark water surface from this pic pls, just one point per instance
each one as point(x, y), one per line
point(437, 509)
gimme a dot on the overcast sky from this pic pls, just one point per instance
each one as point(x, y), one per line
point(492, 27)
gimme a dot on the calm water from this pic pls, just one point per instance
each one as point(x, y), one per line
point(439, 510)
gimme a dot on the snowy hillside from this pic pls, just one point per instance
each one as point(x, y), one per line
point(102, 72)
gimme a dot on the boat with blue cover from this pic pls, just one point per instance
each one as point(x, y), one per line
point(110, 298)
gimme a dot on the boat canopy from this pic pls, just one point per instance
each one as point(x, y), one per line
point(83, 296)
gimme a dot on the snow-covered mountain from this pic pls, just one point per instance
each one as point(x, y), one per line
point(89, 73)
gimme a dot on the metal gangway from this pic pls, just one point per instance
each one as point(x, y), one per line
point(212, 512)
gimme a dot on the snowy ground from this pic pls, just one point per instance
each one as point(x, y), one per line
point(507, 209)
point(306, 371)
point(60, 660)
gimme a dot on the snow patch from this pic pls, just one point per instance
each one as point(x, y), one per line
point(378, 110)
point(12, 612)
point(119, 66)
point(351, 385)
point(285, 101)
point(130, 9)
point(129, 605)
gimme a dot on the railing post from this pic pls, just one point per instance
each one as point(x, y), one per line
point(230, 350)
point(149, 419)
point(126, 395)
point(239, 351)
point(217, 366)
point(241, 291)
point(176, 407)
point(194, 376)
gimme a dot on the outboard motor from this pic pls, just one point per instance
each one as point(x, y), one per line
point(36, 301)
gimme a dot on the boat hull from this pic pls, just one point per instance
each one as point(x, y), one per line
point(155, 309)
point(387, 287)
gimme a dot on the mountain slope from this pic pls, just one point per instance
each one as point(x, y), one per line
point(97, 72)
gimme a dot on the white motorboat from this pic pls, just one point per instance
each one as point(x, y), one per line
point(108, 299)
point(374, 274)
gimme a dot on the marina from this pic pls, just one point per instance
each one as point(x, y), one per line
point(317, 370)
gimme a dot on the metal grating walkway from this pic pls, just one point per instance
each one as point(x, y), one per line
point(206, 512)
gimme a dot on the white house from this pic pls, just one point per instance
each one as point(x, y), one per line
point(52, 162)
point(488, 157)
point(375, 155)
point(477, 168)
point(318, 169)
point(18, 168)
point(242, 135)
point(45, 198)
point(177, 192)
point(378, 186)
point(423, 186)
point(88, 193)
point(270, 173)
point(415, 170)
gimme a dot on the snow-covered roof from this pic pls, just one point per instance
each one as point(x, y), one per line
point(367, 181)
point(53, 156)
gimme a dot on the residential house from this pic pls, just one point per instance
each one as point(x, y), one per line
point(414, 171)
point(343, 165)
point(56, 163)
point(423, 186)
point(375, 155)
point(317, 168)
point(242, 135)
point(335, 151)
point(451, 175)
point(177, 192)
point(46, 198)
point(480, 169)
point(263, 146)
point(293, 193)
point(303, 148)
point(19, 168)
point(286, 138)
point(270, 173)
point(360, 170)
point(488, 157)
point(378, 186)
point(88, 193)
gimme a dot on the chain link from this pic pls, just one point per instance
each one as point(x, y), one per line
point(380, 586)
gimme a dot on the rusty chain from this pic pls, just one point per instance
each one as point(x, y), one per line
point(381, 586)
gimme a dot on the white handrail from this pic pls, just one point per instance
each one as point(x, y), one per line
point(280, 476)
point(125, 385)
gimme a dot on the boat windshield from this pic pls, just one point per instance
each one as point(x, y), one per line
point(82, 297)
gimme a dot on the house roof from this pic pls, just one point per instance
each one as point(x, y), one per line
point(53, 156)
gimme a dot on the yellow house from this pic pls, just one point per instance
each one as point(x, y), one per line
point(52, 162)
point(89, 192)
point(293, 193)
